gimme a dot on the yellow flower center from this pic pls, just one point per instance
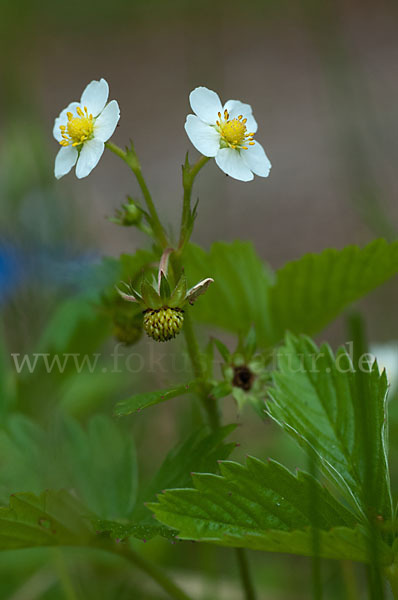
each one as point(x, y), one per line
point(78, 129)
point(234, 131)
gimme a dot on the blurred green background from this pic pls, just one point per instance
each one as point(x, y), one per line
point(322, 81)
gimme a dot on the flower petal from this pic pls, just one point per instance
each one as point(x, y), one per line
point(204, 137)
point(236, 108)
point(95, 96)
point(230, 161)
point(106, 123)
point(206, 104)
point(256, 159)
point(64, 161)
point(62, 120)
point(89, 156)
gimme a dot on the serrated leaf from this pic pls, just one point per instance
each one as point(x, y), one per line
point(321, 402)
point(139, 401)
point(264, 507)
point(122, 531)
point(305, 296)
point(310, 292)
point(52, 519)
point(238, 297)
point(200, 451)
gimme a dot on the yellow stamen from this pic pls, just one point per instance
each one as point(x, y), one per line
point(78, 129)
point(233, 131)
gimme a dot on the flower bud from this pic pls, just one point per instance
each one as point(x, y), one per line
point(129, 215)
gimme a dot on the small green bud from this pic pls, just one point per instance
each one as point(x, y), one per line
point(129, 215)
point(164, 323)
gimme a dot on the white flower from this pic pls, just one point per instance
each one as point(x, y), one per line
point(226, 133)
point(82, 129)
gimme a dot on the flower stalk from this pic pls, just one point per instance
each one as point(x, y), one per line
point(187, 219)
point(131, 159)
point(128, 553)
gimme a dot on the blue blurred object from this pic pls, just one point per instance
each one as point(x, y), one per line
point(58, 268)
point(10, 271)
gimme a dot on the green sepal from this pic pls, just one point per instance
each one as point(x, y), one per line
point(221, 390)
point(223, 350)
point(150, 296)
point(164, 290)
point(180, 291)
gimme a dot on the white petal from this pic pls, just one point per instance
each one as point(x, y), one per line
point(95, 97)
point(63, 119)
point(204, 137)
point(206, 104)
point(64, 161)
point(256, 159)
point(106, 123)
point(236, 108)
point(231, 162)
point(89, 156)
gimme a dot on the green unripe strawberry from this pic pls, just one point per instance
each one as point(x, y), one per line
point(163, 302)
point(163, 324)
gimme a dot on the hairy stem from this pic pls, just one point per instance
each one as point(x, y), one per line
point(392, 575)
point(157, 574)
point(188, 177)
point(245, 574)
point(194, 354)
point(131, 159)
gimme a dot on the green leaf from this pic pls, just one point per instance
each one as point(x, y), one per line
point(264, 507)
point(311, 291)
point(238, 298)
point(141, 531)
point(305, 296)
point(199, 452)
point(52, 519)
point(338, 414)
point(99, 463)
point(139, 401)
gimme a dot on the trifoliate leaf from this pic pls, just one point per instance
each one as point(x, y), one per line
point(305, 296)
